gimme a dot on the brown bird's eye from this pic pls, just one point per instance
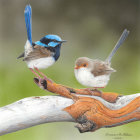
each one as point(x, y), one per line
point(84, 65)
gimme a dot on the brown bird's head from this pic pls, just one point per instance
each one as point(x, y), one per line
point(83, 62)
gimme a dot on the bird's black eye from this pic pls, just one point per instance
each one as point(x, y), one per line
point(84, 65)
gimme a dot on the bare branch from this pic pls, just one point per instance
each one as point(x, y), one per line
point(90, 109)
point(37, 110)
point(33, 111)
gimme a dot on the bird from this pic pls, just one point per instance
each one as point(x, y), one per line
point(40, 54)
point(96, 73)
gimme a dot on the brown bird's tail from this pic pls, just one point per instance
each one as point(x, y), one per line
point(118, 44)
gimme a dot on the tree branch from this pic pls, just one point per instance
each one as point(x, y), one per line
point(90, 109)
point(33, 111)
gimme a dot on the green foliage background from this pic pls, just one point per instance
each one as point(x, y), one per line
point(91, 28)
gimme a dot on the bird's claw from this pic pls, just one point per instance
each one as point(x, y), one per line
point(42, 83)
point(94, 92)
point(47, 79)
point(42, 74)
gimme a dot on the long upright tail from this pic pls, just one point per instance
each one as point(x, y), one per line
point(28, 22)
point(118, 44)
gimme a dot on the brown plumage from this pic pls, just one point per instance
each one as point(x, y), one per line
point(97, 67)
point(101, 68)
point(96, 73)
point(81, 61)
point(92, 73)
point(39, 52)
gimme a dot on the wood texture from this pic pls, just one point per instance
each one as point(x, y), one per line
point(92, 114)
point(90, 109)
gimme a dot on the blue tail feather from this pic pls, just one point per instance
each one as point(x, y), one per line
point(28, 22)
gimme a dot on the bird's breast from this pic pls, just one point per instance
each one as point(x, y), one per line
point(86, 78)
point(41, 63)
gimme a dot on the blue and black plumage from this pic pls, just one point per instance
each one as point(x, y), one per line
point(40, 54)
point(28, 22)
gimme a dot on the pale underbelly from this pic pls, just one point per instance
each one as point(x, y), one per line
point(86, 78)
point(41, 63)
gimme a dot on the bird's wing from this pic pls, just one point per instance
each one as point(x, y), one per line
point(39, 52)
point(28, 22)
point(101, 68)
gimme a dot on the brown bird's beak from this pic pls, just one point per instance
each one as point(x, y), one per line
point(76, 67)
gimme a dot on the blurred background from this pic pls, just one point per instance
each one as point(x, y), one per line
point(91, 28)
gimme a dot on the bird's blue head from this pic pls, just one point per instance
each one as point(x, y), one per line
point(50, 41)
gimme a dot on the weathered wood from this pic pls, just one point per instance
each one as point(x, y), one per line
point(90, 109)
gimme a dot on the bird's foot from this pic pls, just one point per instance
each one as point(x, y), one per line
point(94, 91)
point(42, 74)
point(98, 87)
point(41, 83)
point(47, 79)
point(35, 73)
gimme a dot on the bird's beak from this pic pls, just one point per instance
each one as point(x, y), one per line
point(62, 41)
point(76, 67)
